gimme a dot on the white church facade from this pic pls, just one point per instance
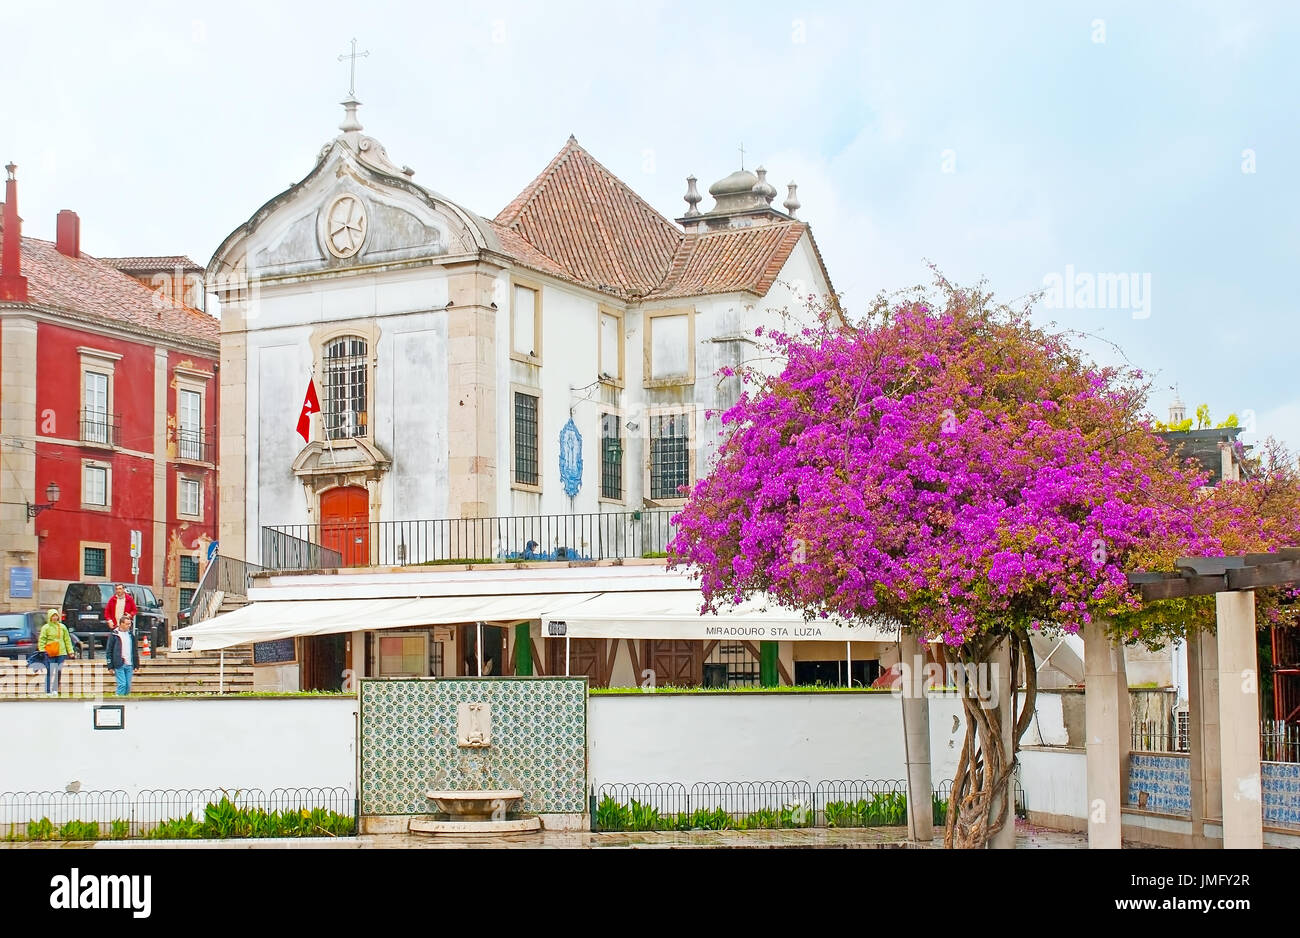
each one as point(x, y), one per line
point(535, 388)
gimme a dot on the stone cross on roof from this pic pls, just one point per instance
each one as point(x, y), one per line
point(352, 77)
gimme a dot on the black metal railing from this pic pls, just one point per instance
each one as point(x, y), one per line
point(94, 815)
point(196, 445)
point(763, 804)
point(1278, 741)
point(226, 575)
point(592, 536)
point(102, 429)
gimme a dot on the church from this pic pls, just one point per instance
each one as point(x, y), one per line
point(533, 390)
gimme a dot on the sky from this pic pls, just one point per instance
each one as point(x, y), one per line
point(1135, 162)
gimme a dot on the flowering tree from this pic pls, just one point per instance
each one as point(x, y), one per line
point(948, 467)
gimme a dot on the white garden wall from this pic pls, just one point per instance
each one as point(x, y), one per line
point(180, 744)
point(759, 737)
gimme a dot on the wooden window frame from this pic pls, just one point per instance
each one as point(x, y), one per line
point(617, 378)
point(536, 287)
point(648, 378)
point(401, 633)
point(692, 440)
point(531, 392)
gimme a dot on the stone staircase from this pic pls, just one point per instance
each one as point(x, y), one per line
point(165, 673)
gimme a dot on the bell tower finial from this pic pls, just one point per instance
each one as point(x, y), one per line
point(350, 103)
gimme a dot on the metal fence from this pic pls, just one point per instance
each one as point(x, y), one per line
point(509, 538)
point(799, 803)
point(1279, 741)
point(225, 575)
point(117, 814)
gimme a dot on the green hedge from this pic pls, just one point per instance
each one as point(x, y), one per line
point(220, 821)
point(885, 809)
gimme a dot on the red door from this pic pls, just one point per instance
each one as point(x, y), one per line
point(345, 525)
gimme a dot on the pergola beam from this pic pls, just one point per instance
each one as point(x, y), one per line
point(1205, 576)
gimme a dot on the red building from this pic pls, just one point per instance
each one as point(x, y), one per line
point(108, 423)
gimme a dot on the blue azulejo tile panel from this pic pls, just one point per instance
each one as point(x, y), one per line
point(408, 742)
point(1281, 789)
point(1167, 781)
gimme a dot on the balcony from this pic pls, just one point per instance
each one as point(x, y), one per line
point(101, 429)
point(506, 539)
point(196, 445)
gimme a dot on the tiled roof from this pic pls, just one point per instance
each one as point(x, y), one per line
point(584, 218)
point(149, 264)
point(90, 286)
point(732, 260)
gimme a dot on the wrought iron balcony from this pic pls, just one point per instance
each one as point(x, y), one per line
point(101, 429)
point(505, 539)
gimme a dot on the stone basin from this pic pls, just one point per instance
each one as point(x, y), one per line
point(477, 805)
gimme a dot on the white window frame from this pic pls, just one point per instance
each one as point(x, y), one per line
point(108, 562)
point(107, 469)
point(181, 482)
point(196, 437)
point(379, 657)
point(691, 441)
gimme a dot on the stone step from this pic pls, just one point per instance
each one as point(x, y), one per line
point(151, 678)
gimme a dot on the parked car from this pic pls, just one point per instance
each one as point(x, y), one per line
point(83, 611)
point(18, 632)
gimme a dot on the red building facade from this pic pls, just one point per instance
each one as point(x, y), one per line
point(108, 424)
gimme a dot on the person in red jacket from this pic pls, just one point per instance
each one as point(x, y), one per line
point(120, 604)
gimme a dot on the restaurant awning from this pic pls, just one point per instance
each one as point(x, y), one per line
point(267, 621)
point(675, 614)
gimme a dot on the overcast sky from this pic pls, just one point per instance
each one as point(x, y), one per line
point(1034, 144)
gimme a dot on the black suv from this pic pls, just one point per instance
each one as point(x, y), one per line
point(83, 611)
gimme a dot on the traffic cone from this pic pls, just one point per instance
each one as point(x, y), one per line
point(146, 651)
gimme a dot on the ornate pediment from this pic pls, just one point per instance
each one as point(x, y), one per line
point(325, 465)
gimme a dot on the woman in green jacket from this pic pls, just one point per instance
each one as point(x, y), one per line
point(54, 632)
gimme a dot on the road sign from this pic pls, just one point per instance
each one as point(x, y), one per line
point(136, 539)
point(212, 551)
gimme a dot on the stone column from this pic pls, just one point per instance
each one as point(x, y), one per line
point(157, 570)
point(1106, 737)
point(1203, 734)
point(1002, 682)
point(916, 739)
point(472, 384)
point(1243, 821)
point(235, 430)
point(18, 536)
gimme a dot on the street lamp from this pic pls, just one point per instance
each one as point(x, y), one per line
point(52, 493)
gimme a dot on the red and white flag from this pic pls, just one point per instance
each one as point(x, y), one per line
point(310, 405)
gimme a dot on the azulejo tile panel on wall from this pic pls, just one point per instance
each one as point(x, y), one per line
point(408, 742)
point(1281, 790)
point(1167, 780)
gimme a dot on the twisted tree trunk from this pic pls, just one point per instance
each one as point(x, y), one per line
point(979, 805)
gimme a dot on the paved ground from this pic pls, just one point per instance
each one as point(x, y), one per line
point(1027, 837)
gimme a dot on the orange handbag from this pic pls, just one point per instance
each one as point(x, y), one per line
point(52, 649)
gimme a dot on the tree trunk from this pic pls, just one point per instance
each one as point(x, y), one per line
point(979, 806)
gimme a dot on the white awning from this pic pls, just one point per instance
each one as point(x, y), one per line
point(268, 621)
point(675, 614)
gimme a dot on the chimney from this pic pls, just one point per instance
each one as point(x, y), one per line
point(13, 285)
point(67, 237)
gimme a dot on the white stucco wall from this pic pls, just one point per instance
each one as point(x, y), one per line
point(1055, 781)
point(176, 744)
point(760, 737)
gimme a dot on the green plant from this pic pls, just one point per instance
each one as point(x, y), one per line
point(940, 810)
point(762, 819)
point(611, 815)
point(644, 817)
point(796, 816)
point(119, 830)
point(186, 828)
point(40, 830)
point(841, 814)
point(222, 820)
point(79, 830)
point(653, 554)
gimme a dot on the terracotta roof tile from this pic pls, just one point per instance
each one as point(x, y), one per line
point(589, 222)
point(732, 260)
point(93, 287)
point(147, 264)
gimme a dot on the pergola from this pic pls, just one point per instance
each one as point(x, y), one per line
point(1223, 701)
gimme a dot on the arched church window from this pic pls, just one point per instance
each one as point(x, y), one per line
point(345, 388)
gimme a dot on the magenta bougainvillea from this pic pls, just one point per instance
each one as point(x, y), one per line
point(951, 468)
point(947, 466)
